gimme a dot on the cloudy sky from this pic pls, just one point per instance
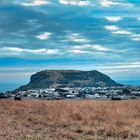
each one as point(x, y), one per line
point(69, 34)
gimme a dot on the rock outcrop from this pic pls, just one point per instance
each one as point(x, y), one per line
point(68, 78)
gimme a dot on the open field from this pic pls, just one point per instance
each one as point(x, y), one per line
point(64, 120)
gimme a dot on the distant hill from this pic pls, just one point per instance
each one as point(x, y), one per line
point(68, 78)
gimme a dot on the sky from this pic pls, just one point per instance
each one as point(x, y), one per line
point(101, 35)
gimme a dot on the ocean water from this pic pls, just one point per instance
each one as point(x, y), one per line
point(9, 87)
point(129, 82)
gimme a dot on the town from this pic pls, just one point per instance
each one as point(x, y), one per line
point(103, 93)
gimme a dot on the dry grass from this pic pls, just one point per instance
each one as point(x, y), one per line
point(64, 120)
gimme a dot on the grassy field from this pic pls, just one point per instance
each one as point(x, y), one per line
point(69, 120)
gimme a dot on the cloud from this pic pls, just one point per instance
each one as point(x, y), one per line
point(35, 3)
point(99, 48)
point(13, 51)
point(75, 2)
point(113, 18)
point(122, 67)
point(122, 32)
point(116, 30)
point(76, 51)
point(136, 37)
point(108, 3)
point(75, 37)
point(112, 28)
point(44, 36)
point(91, 46)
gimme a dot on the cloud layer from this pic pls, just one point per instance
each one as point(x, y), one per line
point(64, 33)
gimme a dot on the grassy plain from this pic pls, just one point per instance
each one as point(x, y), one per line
point(69, 120)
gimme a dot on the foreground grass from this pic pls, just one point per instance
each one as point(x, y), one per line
point(64, 120)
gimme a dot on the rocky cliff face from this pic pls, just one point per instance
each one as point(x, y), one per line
point(68, 78)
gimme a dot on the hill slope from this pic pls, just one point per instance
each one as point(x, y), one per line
point(68, 78)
